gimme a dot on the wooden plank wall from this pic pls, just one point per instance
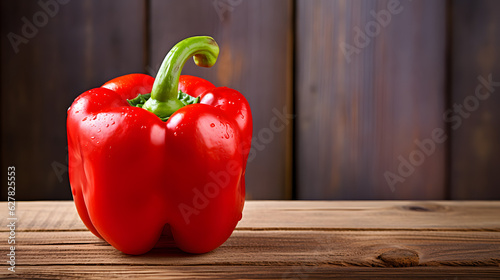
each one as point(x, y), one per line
point(74, 50)
point(363, 100)
point(255, 40)
point(89, 42)
point(475, 126)
point(360, 113)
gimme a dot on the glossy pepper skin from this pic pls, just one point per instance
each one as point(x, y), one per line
point(131, 173)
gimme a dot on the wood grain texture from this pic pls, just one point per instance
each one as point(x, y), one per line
point(288, 248)
point(467, 244)
point(254, 272)
point(304, 215)
point(84, 44)
point(255, 40)
point(357, 113)
point(475, 150)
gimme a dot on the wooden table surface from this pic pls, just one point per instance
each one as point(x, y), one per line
point(277, 240)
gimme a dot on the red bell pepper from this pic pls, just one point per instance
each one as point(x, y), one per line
point(141, 164)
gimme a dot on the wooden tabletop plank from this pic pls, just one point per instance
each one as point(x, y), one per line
point(297, 215)
point(289, 248)
point(255, 272)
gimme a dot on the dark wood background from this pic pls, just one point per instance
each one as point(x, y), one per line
point(354, 120)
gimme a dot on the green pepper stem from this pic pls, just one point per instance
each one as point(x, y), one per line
point(164, 101)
